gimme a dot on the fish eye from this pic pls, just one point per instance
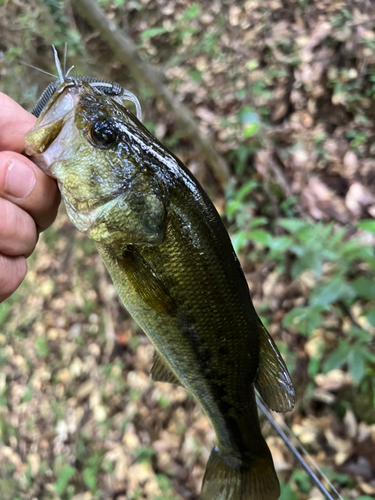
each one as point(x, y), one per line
point(103, 133)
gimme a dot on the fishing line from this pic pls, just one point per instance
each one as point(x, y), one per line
point(288, 441)
point(37, 69)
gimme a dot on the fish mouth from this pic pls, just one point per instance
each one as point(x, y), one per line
point(87, 206)
point(85, 214)
point(41, 140)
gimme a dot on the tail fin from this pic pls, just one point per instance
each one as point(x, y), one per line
point(256, 480)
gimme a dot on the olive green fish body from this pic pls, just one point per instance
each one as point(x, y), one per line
point(195, 271)
point(174, 268)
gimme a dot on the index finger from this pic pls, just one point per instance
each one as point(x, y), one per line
point(14, 123)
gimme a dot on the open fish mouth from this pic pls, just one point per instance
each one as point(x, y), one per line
point(51, 121)
point(50, 137)
point(87, 206)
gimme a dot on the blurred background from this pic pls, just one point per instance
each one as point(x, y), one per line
point(285, 92)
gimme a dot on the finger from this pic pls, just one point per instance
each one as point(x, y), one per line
point(12, 272)
point(24, 184)
point(18, 234)
point(14, 123)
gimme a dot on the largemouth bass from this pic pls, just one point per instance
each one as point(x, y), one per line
point(175, 270)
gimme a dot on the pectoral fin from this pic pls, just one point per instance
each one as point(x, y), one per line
point(161, 373)
point(273, 380)
point(146, 282)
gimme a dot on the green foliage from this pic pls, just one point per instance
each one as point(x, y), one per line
point(367, 225)
point(64, 475)
point(91, 469)
point(298, 481)
point(250, 121)
point(144, 454)
point(337, 268)
point(28, 394)
point(4, 311)
point(152, 32)
point(42, 347)
point(63, 32)
point(191, 12)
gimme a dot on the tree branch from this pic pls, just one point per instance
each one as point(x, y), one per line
point(126, 52)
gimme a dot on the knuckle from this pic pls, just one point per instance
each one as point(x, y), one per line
point(17, 232)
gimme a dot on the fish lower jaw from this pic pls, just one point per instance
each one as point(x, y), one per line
point(87, 216)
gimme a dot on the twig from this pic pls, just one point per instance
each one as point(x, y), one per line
point(127, 53)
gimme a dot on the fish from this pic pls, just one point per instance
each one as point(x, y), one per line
point(172, 263)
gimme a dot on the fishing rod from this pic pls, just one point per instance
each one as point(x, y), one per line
point(288, 441)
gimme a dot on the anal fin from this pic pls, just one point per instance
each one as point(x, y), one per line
point(161, 373)
point(273, 380)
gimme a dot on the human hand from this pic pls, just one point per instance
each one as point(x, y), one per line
point(28, 198)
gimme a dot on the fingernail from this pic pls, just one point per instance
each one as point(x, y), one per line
point(19, 179)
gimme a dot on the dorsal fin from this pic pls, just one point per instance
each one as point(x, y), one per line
point(273, 380)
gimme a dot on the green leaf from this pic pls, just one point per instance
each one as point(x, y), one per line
point(252, 64)
point(313, 367)
point(239, 240)
point(337, 358)
point(342, 479)
point(4, 310)
point(330, 292)
point(257, 221)
point(191, 13)
point(364, 287)
point(250, 121)
point(370, 316)
point(64, 476)
point(357, 363)
point(144, 454)
point(196, 75)
point(351, 250)
point(308, 260)
point(302, 480)
point(247, 188)
point(293, 225)
point(152, 32)
point(250, 129)
point(164, 482)
point(42, 347)
point(28, 394)
point(279, 244)
point(287, 493)
point(367, 225)
point(260, 236)
point(89, 477)
point(360, 334)
point(304, 319)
